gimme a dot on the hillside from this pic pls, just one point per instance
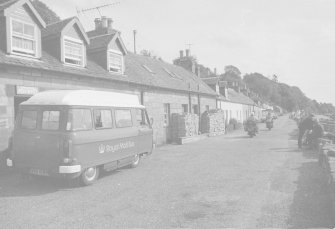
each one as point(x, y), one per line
point(288, 97)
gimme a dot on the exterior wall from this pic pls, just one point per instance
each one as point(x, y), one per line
point(153, 99)
point(154, 102)
point(73, 33)
point(3, 34)
point(232, 110)
point(6, 114)
point(207, 101)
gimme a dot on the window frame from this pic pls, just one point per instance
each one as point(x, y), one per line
point(59, 120)
point(131, 117)
point(115, 52)
point(36, 120)
point(78, 108)
point(112, 119)
point(77, 42)
point(22, 51)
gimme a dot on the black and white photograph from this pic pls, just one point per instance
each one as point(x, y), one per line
point(167, 114)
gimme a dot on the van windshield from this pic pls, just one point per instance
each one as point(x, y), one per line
point(79, 119)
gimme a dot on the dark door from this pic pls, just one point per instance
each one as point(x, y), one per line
point(167, 115)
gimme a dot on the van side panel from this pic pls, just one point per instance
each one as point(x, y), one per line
point(98, 147)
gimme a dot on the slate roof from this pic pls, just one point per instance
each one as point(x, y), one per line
point(56, 28)
point(236, 97)
point(134, 73)
point(101, 41)
point(211, 80)
point(6, 3)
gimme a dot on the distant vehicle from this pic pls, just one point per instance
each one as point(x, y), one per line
point(251, 128)
point(76, 134)
point(269, 124)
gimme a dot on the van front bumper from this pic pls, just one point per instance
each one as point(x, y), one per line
point(68, 169)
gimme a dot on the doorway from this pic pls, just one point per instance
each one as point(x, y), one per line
point(18, 99)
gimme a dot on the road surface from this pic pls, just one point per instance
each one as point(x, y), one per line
point(225, 181)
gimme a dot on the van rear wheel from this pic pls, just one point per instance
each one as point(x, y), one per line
point(136, 161)
point(89, 175)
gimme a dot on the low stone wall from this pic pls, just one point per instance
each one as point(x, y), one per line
point(327, 162)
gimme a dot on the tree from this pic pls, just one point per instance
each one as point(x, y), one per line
point(232, 70)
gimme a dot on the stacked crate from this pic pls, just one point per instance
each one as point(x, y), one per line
point(213, 122)
point(184, 125)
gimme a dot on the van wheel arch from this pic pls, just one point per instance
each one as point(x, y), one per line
point(89, 175)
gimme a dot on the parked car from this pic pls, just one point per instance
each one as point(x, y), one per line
point(76, 134)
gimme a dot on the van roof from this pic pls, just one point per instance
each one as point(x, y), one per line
point(84, 98)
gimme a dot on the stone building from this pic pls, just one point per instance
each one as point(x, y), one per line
point(36, 57)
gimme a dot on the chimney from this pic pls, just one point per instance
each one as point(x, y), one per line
point(187, 53)
point(181, 52)
point(198, 71)
point(97, 23)
point(104, 22)
point(109, 25)
point(214, 71)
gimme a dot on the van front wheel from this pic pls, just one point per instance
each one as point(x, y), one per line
point(136, 161)
point(89, 175)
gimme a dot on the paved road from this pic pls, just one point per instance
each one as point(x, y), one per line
point(226, 181)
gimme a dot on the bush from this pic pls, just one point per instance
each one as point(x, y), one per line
point(233, 121)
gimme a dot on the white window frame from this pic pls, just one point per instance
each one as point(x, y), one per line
point(20, 51)
point(78, 42)
point(109, 63)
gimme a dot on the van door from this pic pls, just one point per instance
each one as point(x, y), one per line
point(37, 141)
point(145, 137)
point(49, 139)
point(25, 138)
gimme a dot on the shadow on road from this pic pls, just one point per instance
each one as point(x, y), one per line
point(13, 184)
point(311, 207)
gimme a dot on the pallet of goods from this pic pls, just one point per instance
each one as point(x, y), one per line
point(213, 122)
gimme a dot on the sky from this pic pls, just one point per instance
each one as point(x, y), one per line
point(293, 39)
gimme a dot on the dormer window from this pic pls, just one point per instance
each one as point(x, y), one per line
point(115, 61)
point(24, 38)
point(73, 52)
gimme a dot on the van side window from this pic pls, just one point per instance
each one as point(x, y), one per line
point(140, 117)
point(103, 119)
point(79, 119)
point(29, 120)
point(123, 118)
point(50, 120)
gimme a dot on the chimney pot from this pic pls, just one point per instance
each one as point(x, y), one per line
point(104, 22)
point(97, 23)
point(109, 25)
point(181, 52)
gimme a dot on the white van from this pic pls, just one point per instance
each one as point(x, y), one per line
point(77, 133)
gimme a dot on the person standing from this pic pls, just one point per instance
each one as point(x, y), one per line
point(304, 125)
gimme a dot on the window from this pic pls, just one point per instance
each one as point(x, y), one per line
point(79, 119)
point(148, 69)
point(103, 119)
point(195, 109)
point(29, 120)
point(172, 74)
point(185, 108)
point(50, 120)
point(166, 114)
point(123, 118)
point(73, 52)
point(115, 62)
point(23, 38)
point(141, 118)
